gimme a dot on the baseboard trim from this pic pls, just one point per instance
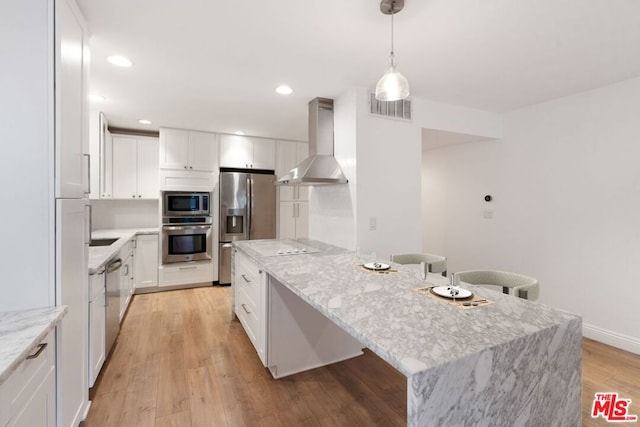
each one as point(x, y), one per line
point(614, 339)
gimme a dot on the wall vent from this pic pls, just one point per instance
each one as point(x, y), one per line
point(392, 109)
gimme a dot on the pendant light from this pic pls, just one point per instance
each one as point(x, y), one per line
point(392, 86)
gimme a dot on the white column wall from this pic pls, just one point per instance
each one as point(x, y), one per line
point(26, 171)
point(566, 187)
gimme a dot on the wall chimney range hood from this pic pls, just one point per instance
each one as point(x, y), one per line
point(320, 168)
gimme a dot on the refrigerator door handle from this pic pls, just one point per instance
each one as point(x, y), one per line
point(249, 205)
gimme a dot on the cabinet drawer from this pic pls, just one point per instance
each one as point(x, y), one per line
point(23, 383)
point(186, 273)
point(248, 315)
point(248, 277)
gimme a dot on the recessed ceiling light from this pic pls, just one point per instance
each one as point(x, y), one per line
point(144, 121)
point(119, 61)
point(239, 132)
point(97, 98)
point(284, 90)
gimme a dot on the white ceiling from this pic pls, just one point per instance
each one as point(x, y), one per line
point(213, 65)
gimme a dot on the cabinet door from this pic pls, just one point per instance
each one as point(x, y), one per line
point(174, 149)
point(302, 152)
point(286, 156)
point(126, 285)
point(106, 167)
point(203, 151)
point(264, 154)
point(287, 221)
point(97, 329)
point(125, 154)
point(41, 408)
point(302, 220)
point(146, 261)
point(148, 171)
point(72, 290)
point(236, 151)
point(70, 104)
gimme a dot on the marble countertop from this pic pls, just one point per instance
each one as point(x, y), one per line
point(412, 332)
point(20, 331)
point(99, 255)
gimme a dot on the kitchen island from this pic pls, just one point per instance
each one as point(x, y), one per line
point(512, 362)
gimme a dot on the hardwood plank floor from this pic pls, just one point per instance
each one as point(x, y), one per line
point(181, 361)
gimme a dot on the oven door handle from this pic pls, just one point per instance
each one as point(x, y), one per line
point(195, 227)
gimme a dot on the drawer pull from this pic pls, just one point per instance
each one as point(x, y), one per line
point(41, 347)
point(187, 268)
point(245, 278)
point(244, 306)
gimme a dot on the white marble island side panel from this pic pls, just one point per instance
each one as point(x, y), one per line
point(530, 350)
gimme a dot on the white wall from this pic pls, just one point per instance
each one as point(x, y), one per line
point(26, 164)
point(124, 214)
point(381, 159)
point(388, 166)
point(566, 186)
point(332, 208)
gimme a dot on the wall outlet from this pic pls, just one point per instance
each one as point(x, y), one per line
point(373, 223)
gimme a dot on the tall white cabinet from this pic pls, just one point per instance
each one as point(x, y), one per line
point(43, 81)
point(293, 206)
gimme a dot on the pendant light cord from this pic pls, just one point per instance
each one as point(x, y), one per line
point(392, 13)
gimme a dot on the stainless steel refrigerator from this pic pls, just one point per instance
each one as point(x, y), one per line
point(247, 212)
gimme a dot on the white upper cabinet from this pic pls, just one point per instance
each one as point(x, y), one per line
point(288, 155)
point(72, 63)
point(188, 150)
point(247, 152)
point(135, 167)
point(203, 151)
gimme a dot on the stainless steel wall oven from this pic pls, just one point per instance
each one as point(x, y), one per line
point(187, 227)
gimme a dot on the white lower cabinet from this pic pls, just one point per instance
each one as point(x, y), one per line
point(28, 396)
point(249, 285)
point(97, 325)
point(126, 277)
point(185, 273)
point(288, 334)
point(145, 271)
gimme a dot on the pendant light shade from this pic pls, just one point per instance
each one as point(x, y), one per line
point(392, 86)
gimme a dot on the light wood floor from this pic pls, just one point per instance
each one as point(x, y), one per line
point(181, 361)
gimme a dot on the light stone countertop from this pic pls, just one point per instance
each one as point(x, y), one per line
point(410, 331)
point(21, 331)
point(100, 255)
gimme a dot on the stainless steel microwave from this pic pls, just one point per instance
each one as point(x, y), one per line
point(175, 203)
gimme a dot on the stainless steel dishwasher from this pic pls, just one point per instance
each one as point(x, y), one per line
point(113, 303)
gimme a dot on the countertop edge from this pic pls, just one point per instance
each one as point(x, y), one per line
point(127, 233)
point(58, 313)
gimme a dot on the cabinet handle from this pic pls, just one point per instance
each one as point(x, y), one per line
point(134, 196)
point(245, 278)
point(190, 167)
point(251, 165)
point(88, 156)
point(139, 196)
point(187, 268)
point(41, 348)
point(185, 167)
point(244, 307)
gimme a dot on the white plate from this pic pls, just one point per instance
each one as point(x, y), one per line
point(376, 266)
point(444, 291)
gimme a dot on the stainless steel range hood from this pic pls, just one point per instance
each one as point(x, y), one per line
point(320, 168)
